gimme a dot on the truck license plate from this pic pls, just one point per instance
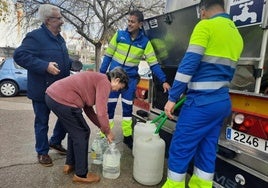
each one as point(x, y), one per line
point(248, 140)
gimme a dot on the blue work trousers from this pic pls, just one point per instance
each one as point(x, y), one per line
point(196, 136)
point(41, 127)
point(127, 97)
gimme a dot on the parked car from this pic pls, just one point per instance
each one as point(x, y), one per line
point(13, 78)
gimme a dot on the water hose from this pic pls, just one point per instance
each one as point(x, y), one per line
point(164, 117)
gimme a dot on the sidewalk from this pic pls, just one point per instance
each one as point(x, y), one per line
point(18, 161)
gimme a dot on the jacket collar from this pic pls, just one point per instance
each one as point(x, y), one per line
point(140, 34)
point(50, 33)
point(225, 15)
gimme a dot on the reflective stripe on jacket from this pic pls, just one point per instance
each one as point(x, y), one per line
point(209, 63)
point(125, 52)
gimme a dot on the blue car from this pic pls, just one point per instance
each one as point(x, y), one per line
point(13, 78)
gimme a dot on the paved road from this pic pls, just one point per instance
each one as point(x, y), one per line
point(18, 162)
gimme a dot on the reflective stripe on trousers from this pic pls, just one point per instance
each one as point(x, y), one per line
point(127, 105)
point(127, 97)
point(196, 136)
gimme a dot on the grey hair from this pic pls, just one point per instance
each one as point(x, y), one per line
point(46, 10)
point(119, 72)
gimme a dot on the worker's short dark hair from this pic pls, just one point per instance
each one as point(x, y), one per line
point(119, 72)
point(206, 4)
point(138, 14)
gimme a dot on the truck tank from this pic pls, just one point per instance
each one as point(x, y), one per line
point(243, 144)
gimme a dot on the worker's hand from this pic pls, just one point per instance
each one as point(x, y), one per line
point(53, 68)
point(169, 109)
point(110, 137)
point(166, 87)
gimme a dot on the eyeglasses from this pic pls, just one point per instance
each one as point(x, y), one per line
point(58, 18)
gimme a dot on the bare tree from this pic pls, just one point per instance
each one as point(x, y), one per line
point(96, 20)
point(3, 10)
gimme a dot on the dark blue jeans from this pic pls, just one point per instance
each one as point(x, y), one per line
point(41, 120)
point(78, 134)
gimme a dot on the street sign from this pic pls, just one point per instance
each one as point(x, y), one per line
point(246, 12)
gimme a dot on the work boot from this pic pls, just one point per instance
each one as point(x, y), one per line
point(45, 160)
point(67, 169)
point(128, 140)
point(91, 178)
point(111, 124)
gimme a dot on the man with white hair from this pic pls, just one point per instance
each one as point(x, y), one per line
point(44, 54)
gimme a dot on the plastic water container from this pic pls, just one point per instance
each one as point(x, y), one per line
point(149, 160)
point(142, 130)
point(105, 144)
point(111, 162)
point(96, 153)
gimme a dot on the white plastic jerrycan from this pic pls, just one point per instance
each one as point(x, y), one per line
point(142, 130)
point(149, 159)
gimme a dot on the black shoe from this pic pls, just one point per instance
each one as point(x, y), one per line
point(45, 160)
point(59, 148)
point(128, 141)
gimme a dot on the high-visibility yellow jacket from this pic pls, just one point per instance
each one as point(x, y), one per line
point(127, 53)
point(209, 63)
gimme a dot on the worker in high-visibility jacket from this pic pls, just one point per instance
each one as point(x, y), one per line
point(206, 71)
point(126, 49)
